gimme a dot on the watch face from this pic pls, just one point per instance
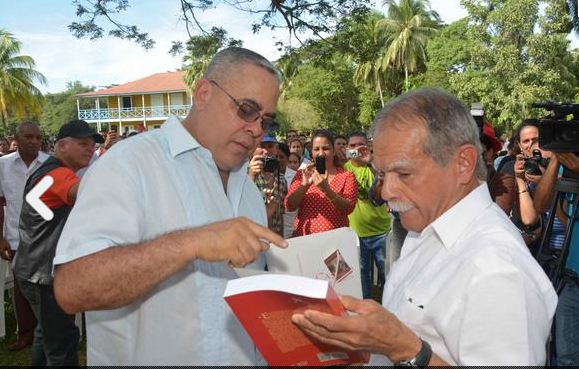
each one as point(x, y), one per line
point(407, 363)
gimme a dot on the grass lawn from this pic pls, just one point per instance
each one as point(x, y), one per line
point(22, 357)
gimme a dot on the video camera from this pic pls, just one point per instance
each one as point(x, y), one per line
point(555, 132)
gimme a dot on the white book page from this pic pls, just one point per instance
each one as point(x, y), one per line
point(333, 256)
point(296, 285)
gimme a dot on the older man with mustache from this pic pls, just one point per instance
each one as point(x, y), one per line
point(465, 290)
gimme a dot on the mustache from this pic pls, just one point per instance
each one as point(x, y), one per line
point(400, 206)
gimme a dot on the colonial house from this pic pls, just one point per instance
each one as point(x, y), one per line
point(139, 105)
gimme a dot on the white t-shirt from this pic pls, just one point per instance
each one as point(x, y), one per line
point(468, 285)
point(154, 183)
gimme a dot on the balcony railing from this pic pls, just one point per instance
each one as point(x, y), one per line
point(148, 112)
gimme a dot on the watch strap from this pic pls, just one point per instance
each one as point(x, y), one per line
point(421, 359)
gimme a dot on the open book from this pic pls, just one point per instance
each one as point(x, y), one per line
point(264, 305)
point(332, 256)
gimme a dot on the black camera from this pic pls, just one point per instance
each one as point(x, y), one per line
point(556, 133)
point(270, 164)
point(536, 161)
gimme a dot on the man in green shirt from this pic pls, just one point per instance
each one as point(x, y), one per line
point(371, 223)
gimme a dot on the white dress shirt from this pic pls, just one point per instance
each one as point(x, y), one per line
point(13, 176)
point(154, 183)
point(468, 285)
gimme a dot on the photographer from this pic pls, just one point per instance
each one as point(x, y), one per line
point(264, 170)
point(567, 314)
point(514, 185)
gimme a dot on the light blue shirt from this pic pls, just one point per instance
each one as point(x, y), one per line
point(145, 186)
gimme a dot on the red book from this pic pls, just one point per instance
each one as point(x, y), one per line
point(264, 304)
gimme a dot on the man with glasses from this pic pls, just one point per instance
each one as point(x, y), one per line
point(172, 211)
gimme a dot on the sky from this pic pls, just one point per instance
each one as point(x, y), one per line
point(41, 26)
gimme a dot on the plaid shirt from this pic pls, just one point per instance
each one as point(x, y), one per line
point(279, 186)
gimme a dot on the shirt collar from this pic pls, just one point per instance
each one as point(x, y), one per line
point(179, 139)
point(40, 158)
point(452, 223)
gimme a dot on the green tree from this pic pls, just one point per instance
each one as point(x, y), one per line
point(296, 113)
point(406, 30)
point(298, 17)
point(449, 53)
point(200, 50)
point(18, 92)
point(59, 108)
point(518, 57)
point(366, 52)
point(330, 89)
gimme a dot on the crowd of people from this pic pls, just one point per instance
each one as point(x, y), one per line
point(144, 241)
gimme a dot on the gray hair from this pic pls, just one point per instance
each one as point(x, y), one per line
point(228, 60)
point(448, 121)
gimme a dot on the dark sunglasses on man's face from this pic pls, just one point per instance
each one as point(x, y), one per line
point(250, 114)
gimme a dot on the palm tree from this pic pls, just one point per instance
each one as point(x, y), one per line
point(574, 14)
point(18, 94)
point(406, 30)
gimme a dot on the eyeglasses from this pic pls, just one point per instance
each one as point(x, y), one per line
point(250, 114)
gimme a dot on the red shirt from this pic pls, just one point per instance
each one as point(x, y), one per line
point(57, 194)
point(317, 213)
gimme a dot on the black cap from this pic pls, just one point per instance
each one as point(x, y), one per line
point(78, 129)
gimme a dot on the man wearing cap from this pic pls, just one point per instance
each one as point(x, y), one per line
point(270, 182)
point(58, 342)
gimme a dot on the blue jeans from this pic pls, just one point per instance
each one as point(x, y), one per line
point(32, 294)
point(371, 247)
point(567, 326)
point(56, 340)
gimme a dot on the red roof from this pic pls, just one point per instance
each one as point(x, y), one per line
point(159, 82)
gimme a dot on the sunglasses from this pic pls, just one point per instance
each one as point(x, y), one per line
point(250, 114)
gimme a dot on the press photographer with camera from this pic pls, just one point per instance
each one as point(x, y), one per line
point(264, 171)
point(567, 313)
point(558, 193)
point(513, 186)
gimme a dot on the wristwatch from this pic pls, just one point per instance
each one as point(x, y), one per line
point(421, 359)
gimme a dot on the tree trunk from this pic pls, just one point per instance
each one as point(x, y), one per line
point(406, 77)
point(381, 95)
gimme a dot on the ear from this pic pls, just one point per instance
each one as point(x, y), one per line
point(468, 157)
point(202, 94)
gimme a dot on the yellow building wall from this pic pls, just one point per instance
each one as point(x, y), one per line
point(113, 102)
